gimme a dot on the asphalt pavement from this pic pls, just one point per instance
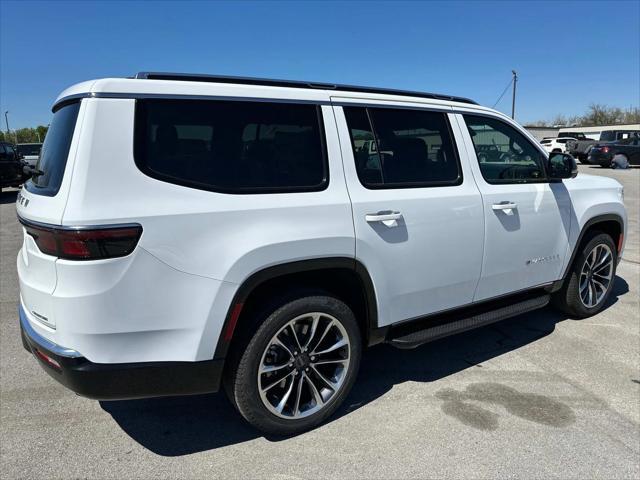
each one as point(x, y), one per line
point(539, 396)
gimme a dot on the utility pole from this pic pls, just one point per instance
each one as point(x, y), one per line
point(6, 119)
point(513, 100)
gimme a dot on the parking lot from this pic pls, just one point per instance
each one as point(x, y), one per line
point(539, 396)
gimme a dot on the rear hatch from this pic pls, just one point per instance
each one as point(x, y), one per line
point(41, 202)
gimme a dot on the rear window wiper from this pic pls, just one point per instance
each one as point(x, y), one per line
point(37, 173)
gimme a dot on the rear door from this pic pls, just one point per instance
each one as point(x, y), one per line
point(527, 219)
point(416, 210)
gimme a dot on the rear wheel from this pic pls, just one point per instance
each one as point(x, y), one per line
point(298, 367)
point(590, 280)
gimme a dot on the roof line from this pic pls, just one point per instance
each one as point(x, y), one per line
point(191, 77)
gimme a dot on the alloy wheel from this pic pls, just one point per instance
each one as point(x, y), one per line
point(304, 365)
point(596, 275)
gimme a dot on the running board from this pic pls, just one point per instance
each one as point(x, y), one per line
point(450, 323)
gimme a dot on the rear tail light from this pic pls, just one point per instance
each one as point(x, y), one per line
point(604, 149)
point(93, 243)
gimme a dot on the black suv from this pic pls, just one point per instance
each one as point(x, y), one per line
point(11, 167)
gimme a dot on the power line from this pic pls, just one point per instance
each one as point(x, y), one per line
point(503, 92)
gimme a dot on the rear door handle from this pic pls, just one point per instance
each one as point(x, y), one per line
point(507, 207)
point(390, 219)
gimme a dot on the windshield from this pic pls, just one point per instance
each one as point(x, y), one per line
point(55, 150)
point(29, 149)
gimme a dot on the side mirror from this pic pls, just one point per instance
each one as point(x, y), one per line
point(562, 165)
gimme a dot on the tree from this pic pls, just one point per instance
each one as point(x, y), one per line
point(597, 114)
point(25, 135)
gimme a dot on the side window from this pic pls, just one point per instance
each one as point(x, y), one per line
point(231, 146)
point(504, 154)
point(400, 148)
point(10, 152)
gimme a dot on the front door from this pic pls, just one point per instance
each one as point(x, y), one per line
point(416, 209)
point(527, 218)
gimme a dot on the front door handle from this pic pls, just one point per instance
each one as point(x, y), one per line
point(389, 218)
point(506, 207)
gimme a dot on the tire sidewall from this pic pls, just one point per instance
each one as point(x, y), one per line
point(245, 391)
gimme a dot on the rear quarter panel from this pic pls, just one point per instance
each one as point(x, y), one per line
point(224, 237)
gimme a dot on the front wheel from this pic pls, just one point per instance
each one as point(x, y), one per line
point(590, 280)
point(299, 365)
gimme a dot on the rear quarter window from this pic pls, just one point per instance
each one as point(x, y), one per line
point(55, 151)
point(231, 146)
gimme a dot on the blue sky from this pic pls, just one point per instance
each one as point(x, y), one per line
point(567, 54)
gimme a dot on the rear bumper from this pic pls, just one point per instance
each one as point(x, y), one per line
point(119, 381)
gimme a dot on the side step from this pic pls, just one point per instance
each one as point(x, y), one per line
point(449, 324)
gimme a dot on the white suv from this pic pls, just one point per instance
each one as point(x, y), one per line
point(556, 145)
point(184, 232)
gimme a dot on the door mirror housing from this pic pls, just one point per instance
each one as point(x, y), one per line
point(562, 165)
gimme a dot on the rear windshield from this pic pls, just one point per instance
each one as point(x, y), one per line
point(231, 146)
point(28, 149)
point(53, 158)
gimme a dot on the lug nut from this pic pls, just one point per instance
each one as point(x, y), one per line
point(313, 359)
point(306, 369)
point(295, 353)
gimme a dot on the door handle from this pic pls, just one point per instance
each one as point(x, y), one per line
point(390, 219)
point(506, 207)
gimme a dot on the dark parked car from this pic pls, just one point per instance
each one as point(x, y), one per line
point(581, 145)
point(11, 166)
point(30, 153)
point(603, 154)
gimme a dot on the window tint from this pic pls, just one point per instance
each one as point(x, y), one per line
point(29, 149)
point(504, 154)
point(54, 153)
point(402, 148)
point(227, 146)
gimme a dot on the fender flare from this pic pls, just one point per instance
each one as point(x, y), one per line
point(373, 334)
point(608, 217)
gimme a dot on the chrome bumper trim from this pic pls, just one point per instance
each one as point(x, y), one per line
point(45, 343)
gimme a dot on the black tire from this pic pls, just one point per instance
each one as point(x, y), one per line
point(242, 378)
point(567, 299)
point(605, 163)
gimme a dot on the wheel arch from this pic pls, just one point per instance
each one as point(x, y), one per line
point(309, 274)
point(610, 223)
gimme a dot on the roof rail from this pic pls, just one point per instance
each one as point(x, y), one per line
point(192, 77)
